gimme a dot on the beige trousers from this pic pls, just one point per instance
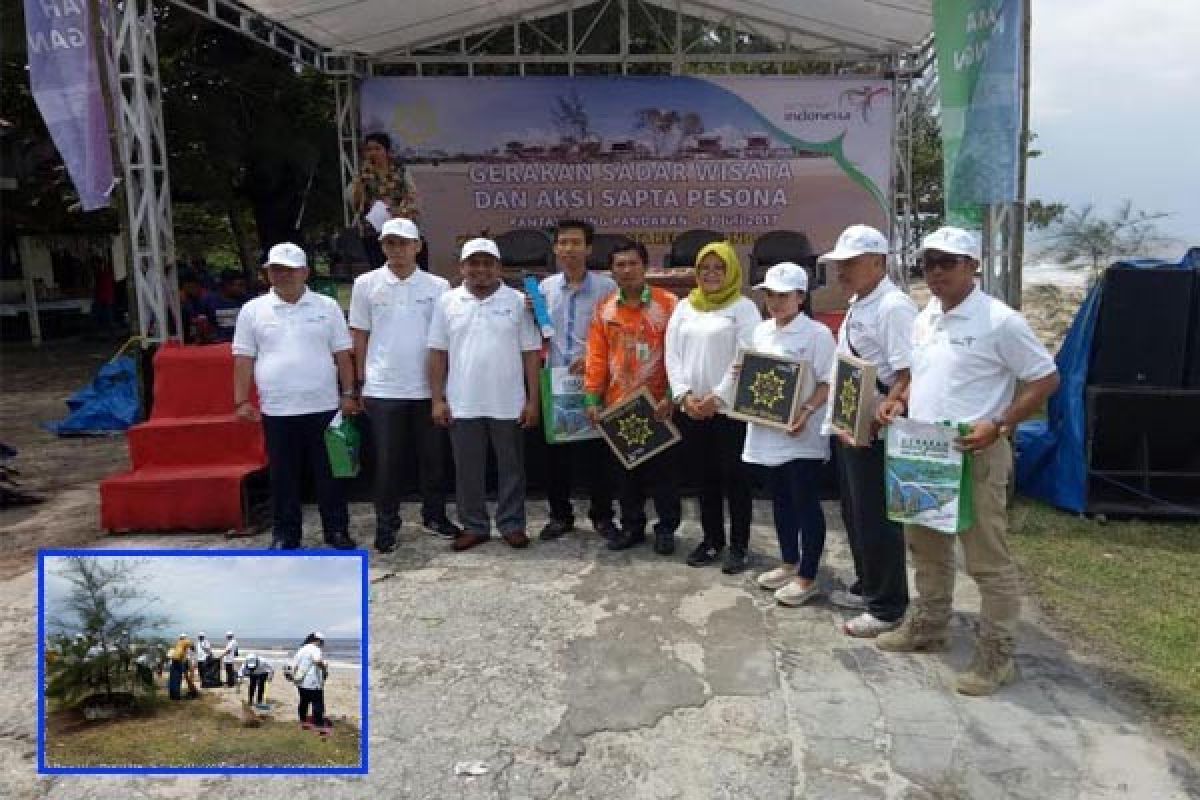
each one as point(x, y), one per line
point(985, 552)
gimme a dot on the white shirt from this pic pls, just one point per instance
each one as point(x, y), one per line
point(966, 362)
point(802, 340)
point(204, 649)
point(702, 345)
point(230, 651)
point(305, 663)
point(879, 326)
point(292, 345)
point(484, 340)
point(396, 313)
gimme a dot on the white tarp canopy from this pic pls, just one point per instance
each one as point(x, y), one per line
point(388, 29)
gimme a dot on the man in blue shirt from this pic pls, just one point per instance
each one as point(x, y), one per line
point(571, 298)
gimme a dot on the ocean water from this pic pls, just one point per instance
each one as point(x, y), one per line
point(343, 651)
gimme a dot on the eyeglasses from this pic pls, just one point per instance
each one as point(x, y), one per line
point(711, 270)
point(930, 263)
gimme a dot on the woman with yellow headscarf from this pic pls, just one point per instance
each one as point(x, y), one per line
point(702, 342)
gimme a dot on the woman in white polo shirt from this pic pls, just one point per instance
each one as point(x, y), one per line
point(793, 458)
point(702, 340)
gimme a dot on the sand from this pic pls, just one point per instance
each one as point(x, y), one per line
point(342, 695)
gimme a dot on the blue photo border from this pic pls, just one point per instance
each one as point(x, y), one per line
point(364, 645)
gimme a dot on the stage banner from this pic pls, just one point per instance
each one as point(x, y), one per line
point(65, 82)
point(647, 157)
point(979, 72)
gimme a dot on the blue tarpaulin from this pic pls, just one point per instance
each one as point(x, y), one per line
point(109, 404)
point(1051, 460)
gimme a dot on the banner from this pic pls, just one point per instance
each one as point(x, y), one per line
point(65, 81)
point(647, 157)
point(979, 72)
point(927, 479)
point(564, 417)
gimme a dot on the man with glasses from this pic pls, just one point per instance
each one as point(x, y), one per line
point(969, 353)
point(878, 329)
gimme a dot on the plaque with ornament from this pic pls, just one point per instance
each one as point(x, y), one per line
point(634, 433)
point(770, 388)
point(853, 397)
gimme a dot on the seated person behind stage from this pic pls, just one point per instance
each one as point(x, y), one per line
point(196, 309)
point(226, 303)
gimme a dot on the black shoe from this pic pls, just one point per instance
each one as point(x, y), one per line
point(704, 554)
point(385, 543)
point(555, 528)
point(284, 544)
point(623, 540)
point(735, 562)
point(664, 543)
point(442, 527)
point(606, 528)
point(340, 541)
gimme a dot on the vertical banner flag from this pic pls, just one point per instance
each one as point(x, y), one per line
point(979, 71)
point(65, 81)
point(643, 157)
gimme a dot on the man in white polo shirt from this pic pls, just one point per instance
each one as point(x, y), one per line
point(483, 369)
point(878, 329)
point(969, 353)
point(294, 346)
point(390, 311)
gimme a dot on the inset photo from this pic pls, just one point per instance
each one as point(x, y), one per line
point(212, 661)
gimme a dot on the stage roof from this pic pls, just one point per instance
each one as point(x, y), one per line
point(386, 29)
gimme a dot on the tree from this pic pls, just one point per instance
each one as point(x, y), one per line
point(571, 116)
point(1084, 235)
point(98, 629)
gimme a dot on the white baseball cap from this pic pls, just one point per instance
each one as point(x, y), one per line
point(479, 246)
point(286, 254)
point(399, 226)
point(785, 276)
point(183, 636)
point(318, 635)
point(951, 240)
point(200, 635)
point(856, 241)
point(229, 633)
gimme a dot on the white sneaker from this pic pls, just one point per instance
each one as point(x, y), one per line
point(844, 599)
point(777, 578)
point(794, 595)
point(868, 626)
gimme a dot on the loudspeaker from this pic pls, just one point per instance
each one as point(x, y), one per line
point(1192, 378)
point(1143, 328)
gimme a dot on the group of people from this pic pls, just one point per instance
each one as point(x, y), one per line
point(425, 361)
point(209, 308)
point(190, 660)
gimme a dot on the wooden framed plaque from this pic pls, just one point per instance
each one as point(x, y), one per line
point(770, 388)
point(853, 397)
point(633, 433)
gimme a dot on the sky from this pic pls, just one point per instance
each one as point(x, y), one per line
point(1115, 102)
point(254, 596)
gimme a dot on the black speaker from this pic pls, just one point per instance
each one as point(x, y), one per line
point(1143, 328)
point(1192, 378)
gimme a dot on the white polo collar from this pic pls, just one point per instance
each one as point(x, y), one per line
point(305, 297)
point(966, 309)
point(883, 287)
point(392, 278)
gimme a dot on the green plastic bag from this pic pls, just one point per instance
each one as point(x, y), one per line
point(342, 439)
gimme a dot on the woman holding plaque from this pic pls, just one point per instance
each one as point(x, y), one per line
point(793, 457)
point(704, 335)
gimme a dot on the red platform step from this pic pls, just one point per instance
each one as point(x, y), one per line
point(191, 459)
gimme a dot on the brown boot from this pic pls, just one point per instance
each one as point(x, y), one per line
point(921, 632)
point(991, 668)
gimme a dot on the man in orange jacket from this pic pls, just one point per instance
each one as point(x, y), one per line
point(624, 355)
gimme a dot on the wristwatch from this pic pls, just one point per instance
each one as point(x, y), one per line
point(809, 407)
point(350, 393)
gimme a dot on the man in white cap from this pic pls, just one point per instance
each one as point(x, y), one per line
point(204, 655)
point(390, 311)
point(294, 346)
point(483, 370)
point(227, 658)
point(878, 329)
point(969, 353)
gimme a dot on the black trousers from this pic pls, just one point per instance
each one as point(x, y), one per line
point(403, 430)
point(258, 684)
point(716, 445)
point(657, 478)
point(876, 543)
point(589, 461)
point(316, 699)
point(294, 444)
point(230, 674)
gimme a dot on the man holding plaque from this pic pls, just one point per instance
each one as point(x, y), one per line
point(969, 353)
point(571, 295)
point(878, 330)
point(625, 355)
point(483, 375)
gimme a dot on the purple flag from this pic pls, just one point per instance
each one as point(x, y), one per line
point(65, 81)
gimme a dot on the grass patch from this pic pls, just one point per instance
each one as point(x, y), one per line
point(195, 733)
point(1128, 594)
